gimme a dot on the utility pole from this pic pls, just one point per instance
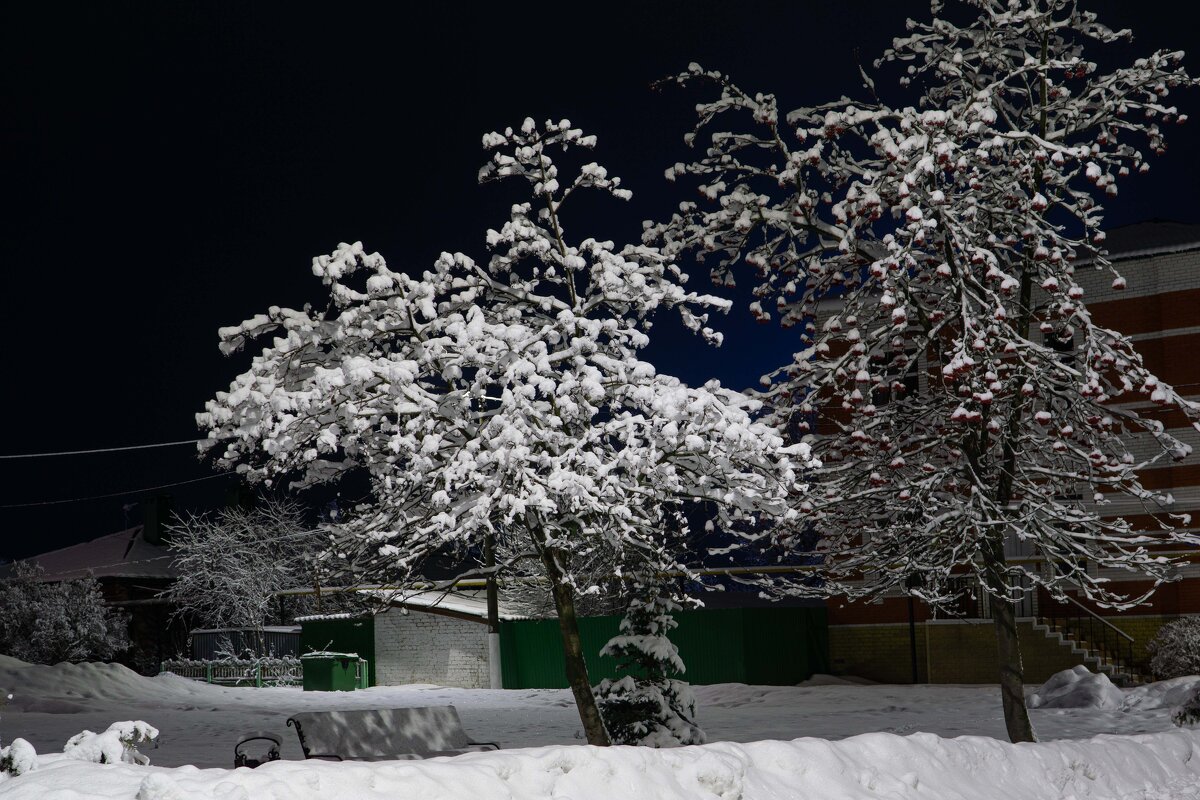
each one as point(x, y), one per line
point(496, 680)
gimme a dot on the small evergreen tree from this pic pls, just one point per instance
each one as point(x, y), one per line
point(648, 707)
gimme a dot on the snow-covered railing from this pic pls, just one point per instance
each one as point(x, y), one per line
point(238, 672)
point(1093, 632)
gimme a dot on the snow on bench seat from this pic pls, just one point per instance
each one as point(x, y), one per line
point(384, 734)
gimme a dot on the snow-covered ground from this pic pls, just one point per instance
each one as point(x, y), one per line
point(201, 723)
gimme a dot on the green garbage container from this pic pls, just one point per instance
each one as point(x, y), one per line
point(330, 672)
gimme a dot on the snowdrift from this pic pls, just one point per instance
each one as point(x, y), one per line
point(1078, 687)
point(869, 766)
point(74, 688)
point(200, 723)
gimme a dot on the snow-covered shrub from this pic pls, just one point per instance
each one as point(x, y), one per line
point(18, 758)
point(46, 622)
point(1188, 714)
point(1175, 649)
point(115, 745)
point(648, 706)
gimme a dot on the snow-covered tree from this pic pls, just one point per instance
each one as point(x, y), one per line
point(935, 243)
point(231, 563)
point(502, 401)
point(648, 706)
point(46, 622)
point(1175, 649)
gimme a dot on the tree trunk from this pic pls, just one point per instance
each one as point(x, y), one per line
point(1004, 615)
point(577, 674)
point(1008, 649)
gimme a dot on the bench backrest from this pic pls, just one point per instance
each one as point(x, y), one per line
point(380, 732)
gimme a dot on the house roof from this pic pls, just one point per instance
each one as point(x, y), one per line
point(460, 603)
point(1151, 238)
point(124, 554)
point(472, 605)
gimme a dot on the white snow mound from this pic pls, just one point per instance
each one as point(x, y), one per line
point(1162, 694)
point(876, 765)
point(1078, 687)
point(70, 688)
point(18, 758)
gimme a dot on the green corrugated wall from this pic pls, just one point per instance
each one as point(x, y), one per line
point(341, 636)
point(773, 646)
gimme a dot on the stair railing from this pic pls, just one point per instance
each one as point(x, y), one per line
point(1109, 642)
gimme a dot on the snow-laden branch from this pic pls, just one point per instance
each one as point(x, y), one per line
point(934, 245)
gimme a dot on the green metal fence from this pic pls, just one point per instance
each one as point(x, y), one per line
point(232, 672)
point(773, 646)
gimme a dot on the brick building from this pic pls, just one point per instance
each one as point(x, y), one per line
point(422, 637)
point(894, 640)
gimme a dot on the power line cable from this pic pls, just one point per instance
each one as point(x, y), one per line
point(102, 449)
point(116, 494)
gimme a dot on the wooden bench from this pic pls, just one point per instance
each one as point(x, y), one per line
point(384, 734)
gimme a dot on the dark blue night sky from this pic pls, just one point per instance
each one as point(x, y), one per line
point(170, 168)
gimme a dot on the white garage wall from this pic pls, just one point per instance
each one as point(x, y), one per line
point(420, 647)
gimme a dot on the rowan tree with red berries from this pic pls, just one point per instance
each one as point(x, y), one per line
point(932, 253)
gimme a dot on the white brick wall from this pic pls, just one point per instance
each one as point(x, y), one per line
point(419, 647)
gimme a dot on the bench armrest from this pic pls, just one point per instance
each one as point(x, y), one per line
point(492, 745)
point(250, 737)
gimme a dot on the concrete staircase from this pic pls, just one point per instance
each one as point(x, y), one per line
point(1091, 656)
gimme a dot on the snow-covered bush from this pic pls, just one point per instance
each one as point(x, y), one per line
point(1188, 713)
point(1175, 649)
point(46, 622)
point(503, 400)
point(925, 242)
point(648, 706)
point(115, 745)
point(18, 758)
